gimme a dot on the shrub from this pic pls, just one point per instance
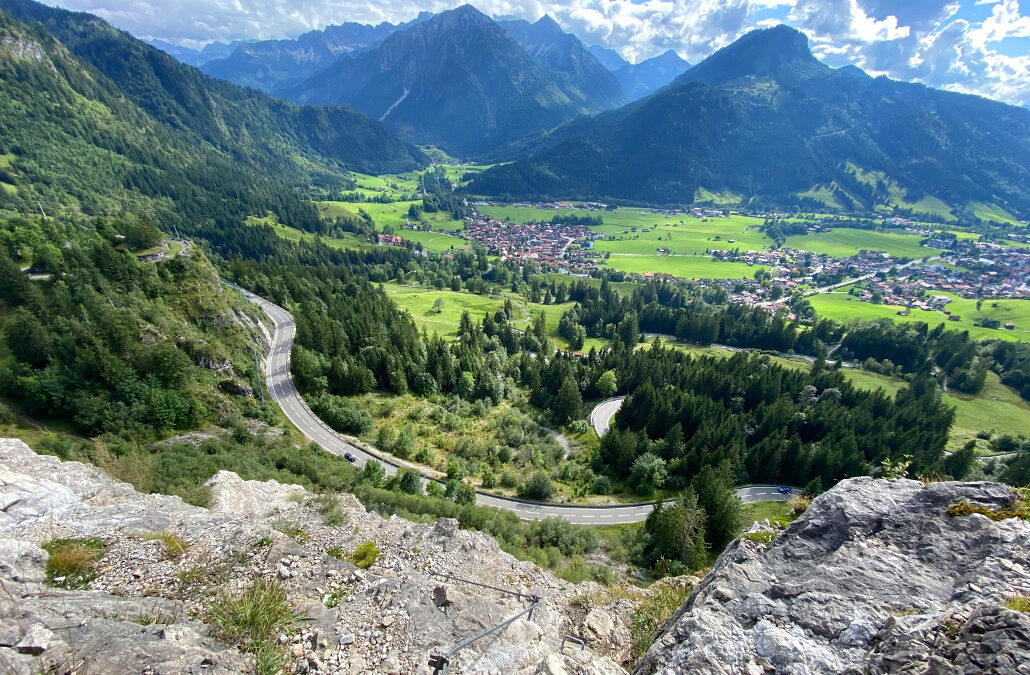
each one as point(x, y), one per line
point(410, 482)
point(365, 555)
point(252, 620)
point(602, 485)
point(7, 415)
point(538, 487)
point(509, 478)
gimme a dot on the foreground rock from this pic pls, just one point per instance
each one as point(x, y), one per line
point(875, 577)
point(145, 609)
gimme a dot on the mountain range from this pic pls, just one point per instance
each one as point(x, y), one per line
point(272, 65)
point(460, 81)
point(764, 117)
point(94, 119)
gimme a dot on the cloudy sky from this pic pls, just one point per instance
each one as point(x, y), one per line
point(976, 46)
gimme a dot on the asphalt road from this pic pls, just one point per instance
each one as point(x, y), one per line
point(280, 387)
point(603, 412)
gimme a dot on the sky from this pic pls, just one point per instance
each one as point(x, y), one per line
point(972, 46)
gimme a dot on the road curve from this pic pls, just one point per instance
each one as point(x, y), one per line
point(280, 386)
point(603, 412)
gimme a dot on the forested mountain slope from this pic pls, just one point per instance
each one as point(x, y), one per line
point(95, 119)
point(764, 117)
point(457, 80)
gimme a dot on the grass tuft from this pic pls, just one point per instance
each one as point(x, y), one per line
point(654, 612)
point(174, 545)
point(72, 562)
point(252, 620)
point(1018, 603)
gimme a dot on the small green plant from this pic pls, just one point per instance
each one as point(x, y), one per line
point(156, 617)
point(174, 545)
point(1018, 603)
point(291, 528)
point(332, 600)
point(655, 611)
point(329, 507)
point(365, 555)
point(263, 541)
point(72, 562)
point(895, 468)
point(761, 537)
point(335, 552)
point(252, 620)
point(1014, 509)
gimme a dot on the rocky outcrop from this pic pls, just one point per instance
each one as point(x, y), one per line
point(144, 609)
point(874, 577)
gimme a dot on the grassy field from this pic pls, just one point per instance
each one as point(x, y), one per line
point(997, 409)
point(687, 267)
point(758, 511)
point(992, 212)
point(349, 240)
point(419, 302)
point(394, 214)
point(394, 186)
point(552, 315)
point(846, 242)
point(842, 307)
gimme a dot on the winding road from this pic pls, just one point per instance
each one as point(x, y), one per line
point(280, 386)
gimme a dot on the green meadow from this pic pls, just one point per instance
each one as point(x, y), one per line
point(846, 242)
point(419, 302)
point(687, 267)
point(348, 240)
point(842, 307)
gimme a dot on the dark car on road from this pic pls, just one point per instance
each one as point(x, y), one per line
point(786, 490)
point(349, 457)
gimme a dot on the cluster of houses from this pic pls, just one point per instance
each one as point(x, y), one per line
point(555, 245)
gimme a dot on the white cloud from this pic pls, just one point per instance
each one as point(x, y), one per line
point(933, 41)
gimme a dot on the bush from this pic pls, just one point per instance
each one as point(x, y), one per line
point(365, 555)
point(339, 414)
point(7, 415)
point(509, 478)
point(602, 485)
point(410, 482)
point(538, 487)
point(72, 562)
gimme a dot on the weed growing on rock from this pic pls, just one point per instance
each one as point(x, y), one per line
point(174, 545)
point(1019, 508)
point(252, 620)
point(335, 552)
point(365, 555)
point(329, 507)
point(1018, 603)
point(291, 528)
point(654, 612)
point(72, 562)
point(761, 537)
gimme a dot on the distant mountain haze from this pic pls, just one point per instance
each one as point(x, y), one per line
point(764, 117)
point(272, 65)
point(648, 76)
point(457, 80)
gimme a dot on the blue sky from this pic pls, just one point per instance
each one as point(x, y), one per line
point(974, 46)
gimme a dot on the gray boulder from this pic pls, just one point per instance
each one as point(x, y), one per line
point(874, 577)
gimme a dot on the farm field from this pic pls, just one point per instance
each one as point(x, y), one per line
point(395, 186)
point(394, 214)
point(688, 267)
point(552, 315)
point(846, 242)
point(419, 303)
point(840, 306)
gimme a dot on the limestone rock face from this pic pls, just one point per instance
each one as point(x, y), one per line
point(874, 577)
point(143, 611)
